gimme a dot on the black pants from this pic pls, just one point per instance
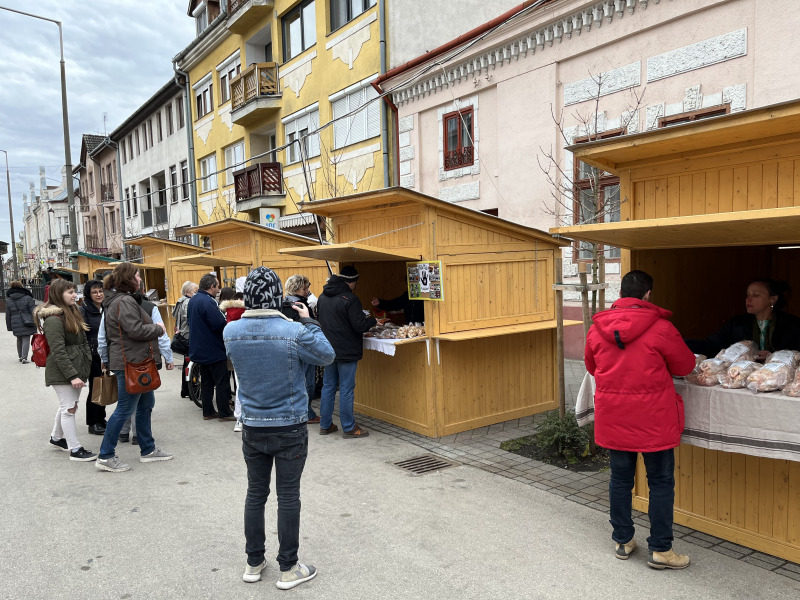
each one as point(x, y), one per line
point(95, 414)
point(288, 451)
point(216, 375)
point(184, 383)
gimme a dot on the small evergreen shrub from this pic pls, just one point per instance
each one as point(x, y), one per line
point(564, 437)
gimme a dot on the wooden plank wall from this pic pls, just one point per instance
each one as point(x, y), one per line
point(738, 494)
point(494, 379)
point(399, 226)
point(747, 180)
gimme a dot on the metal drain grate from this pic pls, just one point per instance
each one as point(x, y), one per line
point(427, 463)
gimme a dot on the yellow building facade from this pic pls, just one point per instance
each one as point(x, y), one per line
point(264, 76)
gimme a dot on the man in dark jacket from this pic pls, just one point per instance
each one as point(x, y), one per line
point(19, 318)
point(207, 349)
point(343, 323)
point(633, 351)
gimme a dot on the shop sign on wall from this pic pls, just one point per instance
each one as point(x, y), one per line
point(425, 280)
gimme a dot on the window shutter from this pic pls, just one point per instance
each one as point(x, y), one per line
point(373, 113)
point(358, 128)
point(313, 140)
point(340, 128)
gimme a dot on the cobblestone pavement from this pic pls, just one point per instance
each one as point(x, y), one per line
point(481, 448)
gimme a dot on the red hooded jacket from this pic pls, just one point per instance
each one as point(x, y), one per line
point(633, 351)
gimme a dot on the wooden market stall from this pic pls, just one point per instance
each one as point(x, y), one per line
point(90, 266)
point(707, 207)
point(489, 353)
point(159, 274)
point(236, 247)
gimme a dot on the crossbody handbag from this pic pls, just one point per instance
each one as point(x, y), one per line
point(139, 377)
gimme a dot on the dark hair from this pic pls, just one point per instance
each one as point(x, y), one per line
point(122, 278)
point(227, 293)
point(775, 288)
point(239, 296)
point(208, 281)
point(635, 285)
point(90, 285)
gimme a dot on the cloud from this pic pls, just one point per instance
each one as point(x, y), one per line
point(118, 53)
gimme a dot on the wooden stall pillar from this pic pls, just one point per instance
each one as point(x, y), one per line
point(562, 397)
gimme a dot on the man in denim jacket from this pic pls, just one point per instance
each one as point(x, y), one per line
point(270, 353)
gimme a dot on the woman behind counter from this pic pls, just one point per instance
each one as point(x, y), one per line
point(765, 323)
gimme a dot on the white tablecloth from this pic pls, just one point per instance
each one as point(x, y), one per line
point(379, 345)
point(765, 425)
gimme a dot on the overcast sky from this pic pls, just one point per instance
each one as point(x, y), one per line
point(118, 53)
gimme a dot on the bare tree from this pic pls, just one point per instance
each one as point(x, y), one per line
point(591, 201)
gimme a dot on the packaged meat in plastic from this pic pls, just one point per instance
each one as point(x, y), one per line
point(772, 376)
point(698, 358)
point(793, 388)
point(708, 372)
point(744, 350)
point(736, 375)
point(789, 357)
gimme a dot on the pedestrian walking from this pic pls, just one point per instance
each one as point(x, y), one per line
point(633, 351)
point(68, 364)
point(343, 322)
point(179, 314)
point(130, 335)
point(92, 313)
point(274, 414)
point(207, 349)
point(19, 318)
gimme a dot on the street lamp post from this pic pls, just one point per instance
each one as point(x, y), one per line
point(11, 220)
point(73, 228)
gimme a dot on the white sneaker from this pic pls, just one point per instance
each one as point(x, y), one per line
point(238, 427)
point(113, 465)
point(295, 576)
point(155, 455)
point(253, 574)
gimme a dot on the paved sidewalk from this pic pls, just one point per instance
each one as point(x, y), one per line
point(173, 530)
point(481, 448)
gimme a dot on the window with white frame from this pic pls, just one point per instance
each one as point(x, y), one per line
point(168, 113)
point(173, 183)
point(296, 128)
point(134, 202)
point(204, 96)
point(127, 201)
point(208, 173)
point(184, 180)
point(299, 29)
point(160, 129)
point(179, 110)
point(227, 71)
point(234, 160)
point(344, 11)
point(351, 125)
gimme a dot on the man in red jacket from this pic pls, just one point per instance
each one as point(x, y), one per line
point(633, 351)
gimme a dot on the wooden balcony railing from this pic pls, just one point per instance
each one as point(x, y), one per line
point(260, 79)
point(258, 180)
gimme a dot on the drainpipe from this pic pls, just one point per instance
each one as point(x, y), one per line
point(388, 100)
point(187, 109)
point(121, 207)
point(384, 113)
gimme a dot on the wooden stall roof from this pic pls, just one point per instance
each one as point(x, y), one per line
point(349, 253)
point(778, 123)
point(91, 256)
point(151, 239)
point(209, 260)
point(398, 196)
point(744, 228)
point(138, 264)
point(230, 224)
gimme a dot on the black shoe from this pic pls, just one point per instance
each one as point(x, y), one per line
point(60, 444)
point(82, 455)
point(134, 440)
point(123, 437)
point(97, 429)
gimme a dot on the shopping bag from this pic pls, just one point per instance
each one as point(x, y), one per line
point(104, 389)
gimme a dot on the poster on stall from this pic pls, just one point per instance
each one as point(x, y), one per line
point(425, 280)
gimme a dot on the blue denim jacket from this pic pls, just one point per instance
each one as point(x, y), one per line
point(270, 353)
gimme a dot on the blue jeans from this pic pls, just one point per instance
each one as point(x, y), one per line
point(288, 450)
point(127, 404)
point(342, 374)
point(310, 385)
point(660, 467)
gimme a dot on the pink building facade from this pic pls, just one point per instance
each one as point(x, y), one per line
point(477, 125)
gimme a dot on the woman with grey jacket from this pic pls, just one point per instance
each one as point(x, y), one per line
point(179, 314)
point(19, 318)
point(68, 363)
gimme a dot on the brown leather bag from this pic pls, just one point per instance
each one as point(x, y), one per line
point(139, 377)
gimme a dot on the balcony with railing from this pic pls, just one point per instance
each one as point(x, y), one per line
point(255, 93)
point(259, 186)
point(106, 192)
point(94, 244)
point(243, 14)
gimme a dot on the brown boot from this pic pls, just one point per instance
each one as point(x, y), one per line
point(355, 432)
point(668, 560)
point(624, 551)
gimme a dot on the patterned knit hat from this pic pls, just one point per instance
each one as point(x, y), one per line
point(349, 274)
point(263, 289)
